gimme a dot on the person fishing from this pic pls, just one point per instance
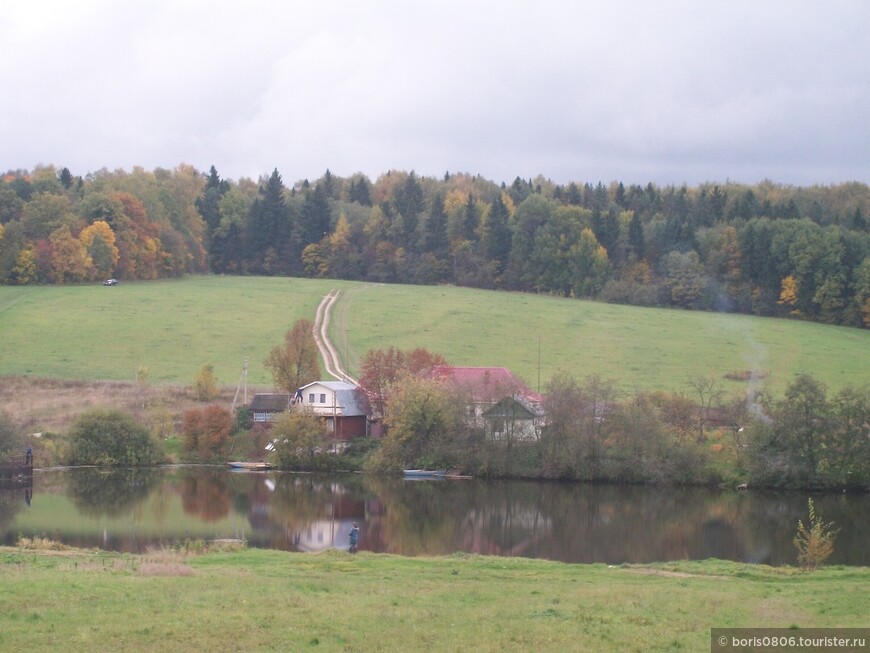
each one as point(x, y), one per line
point(354, 537)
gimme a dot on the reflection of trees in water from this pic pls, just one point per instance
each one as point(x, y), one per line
point(768, 512)
point(10, 503)
point(436, 517)
point(206, 495)
point(110, 492)
point(614, 524)
point(570, 522)
point(419, 517)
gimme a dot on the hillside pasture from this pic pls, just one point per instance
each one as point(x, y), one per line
point(645, 348)
point(173, 328)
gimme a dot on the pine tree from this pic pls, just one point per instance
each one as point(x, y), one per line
point(497, 234)
point(315, 222)
point(268, 226)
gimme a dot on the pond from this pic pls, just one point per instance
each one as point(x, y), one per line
point(134, 510)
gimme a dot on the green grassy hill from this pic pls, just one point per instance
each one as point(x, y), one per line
point(175, 327)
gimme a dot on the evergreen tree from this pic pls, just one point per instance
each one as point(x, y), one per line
point(619, 195)
point(469, 221)
point(635, 236)
point(316, 221)
point(435, 228)
point(610, 232)
point(66, 178)
point(408, 201)
point(497, 234)
point(328, 183)
point(359, 192)
point(208, 204)
point(575, 197)
point(268, 226)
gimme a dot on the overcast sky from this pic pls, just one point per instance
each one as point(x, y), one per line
point(670, 91)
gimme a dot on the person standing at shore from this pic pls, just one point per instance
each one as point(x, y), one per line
point(354, 537)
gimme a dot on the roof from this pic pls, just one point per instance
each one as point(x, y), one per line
point(351, 399)
point(270, 403)
point(487, 383)
point(509, 408)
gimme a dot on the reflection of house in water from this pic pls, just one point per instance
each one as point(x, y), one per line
point(321, 520)
point(324, 534)
point(331, 531)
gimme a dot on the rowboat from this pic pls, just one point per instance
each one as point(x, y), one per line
point(424, 473)
point(251, 467)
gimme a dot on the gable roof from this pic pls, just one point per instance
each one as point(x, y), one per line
point(486, 384)
point(351, 399)
point(509, 408)
point(270, 403)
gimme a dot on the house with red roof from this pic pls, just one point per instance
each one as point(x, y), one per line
point(497, 401)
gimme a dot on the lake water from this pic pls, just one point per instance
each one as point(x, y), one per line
point(134, 510)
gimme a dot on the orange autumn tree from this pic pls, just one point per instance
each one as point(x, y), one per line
point(206, 431)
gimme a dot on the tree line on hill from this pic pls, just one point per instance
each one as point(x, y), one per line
point(764, 249)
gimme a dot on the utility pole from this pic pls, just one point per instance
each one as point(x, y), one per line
point(242, 379)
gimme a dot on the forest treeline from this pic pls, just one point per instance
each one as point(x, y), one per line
point(764, 249)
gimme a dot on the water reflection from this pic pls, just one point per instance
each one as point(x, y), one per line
point(110, 492)
point(134, 509)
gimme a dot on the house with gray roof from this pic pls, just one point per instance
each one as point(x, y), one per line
point(341, 405)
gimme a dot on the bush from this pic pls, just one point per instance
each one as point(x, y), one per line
point(110, 437)
point(815, 540)
point(205, 386)
point(10, 439)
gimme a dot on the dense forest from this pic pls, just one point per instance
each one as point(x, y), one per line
point(764, 249)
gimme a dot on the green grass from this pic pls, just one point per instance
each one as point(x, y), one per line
point(175, 327)
point(271, 601)
point(172, 328)
point(638, 347)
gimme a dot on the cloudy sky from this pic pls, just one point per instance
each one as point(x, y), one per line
point(670, 91)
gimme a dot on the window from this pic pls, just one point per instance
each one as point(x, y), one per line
point(311, 398)
point(323, 399)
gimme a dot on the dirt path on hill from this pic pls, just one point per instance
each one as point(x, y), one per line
point(331, 359)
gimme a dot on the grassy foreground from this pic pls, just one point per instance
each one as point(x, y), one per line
point(248, 599)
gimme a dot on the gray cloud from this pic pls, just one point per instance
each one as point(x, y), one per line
point(666, 92)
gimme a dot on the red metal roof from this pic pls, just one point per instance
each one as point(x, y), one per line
point(487, 383)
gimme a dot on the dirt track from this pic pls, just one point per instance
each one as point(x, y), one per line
point(331, 359)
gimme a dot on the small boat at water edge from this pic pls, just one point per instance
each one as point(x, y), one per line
point(424, 473)
point(255, 467)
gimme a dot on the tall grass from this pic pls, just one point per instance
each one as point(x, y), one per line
point(173, 328)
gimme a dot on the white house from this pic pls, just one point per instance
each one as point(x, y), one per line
point(339, 403)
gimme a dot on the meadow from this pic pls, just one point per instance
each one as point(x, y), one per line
point(174, 327)
point(245, 599)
